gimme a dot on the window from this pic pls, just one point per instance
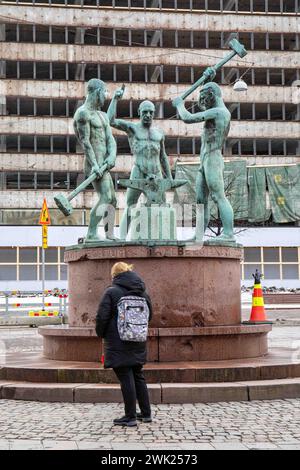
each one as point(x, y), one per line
point(51, 273)
point(28, 273)
point(290, 255)
point(290, 271)
point(64, 272)
point(271, 255)
point(281, 263)
point(271, 271)
point(8, 255)
point(27, 255)
point(51, 255)
point(8, 273)
point(252, 255)
point(25, 264)
point(250, 269)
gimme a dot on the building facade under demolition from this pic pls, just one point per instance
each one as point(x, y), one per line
point(51, 48)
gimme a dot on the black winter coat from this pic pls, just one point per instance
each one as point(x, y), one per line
point(118, 353)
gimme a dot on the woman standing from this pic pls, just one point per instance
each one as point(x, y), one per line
point(125, 357)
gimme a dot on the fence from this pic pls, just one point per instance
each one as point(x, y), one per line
point(16, 305)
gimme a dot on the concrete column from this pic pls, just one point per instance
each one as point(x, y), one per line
point(230, 5)
point(154, 41)
point(3, 109)
point(80, 68)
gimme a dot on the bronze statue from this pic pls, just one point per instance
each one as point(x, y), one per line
point(147, 144)
point(216, 118)
point(210, 180)
point(93, 131)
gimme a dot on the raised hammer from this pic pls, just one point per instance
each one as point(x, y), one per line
point(237, 49)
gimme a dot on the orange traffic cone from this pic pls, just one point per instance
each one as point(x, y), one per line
point(258, 313)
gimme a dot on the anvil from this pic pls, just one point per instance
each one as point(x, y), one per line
point(153, 187)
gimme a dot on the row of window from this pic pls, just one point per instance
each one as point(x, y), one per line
point(25, 263)
point(164, 110)
point(33, 273)
point(136, 37)
point(174, 145)
point(79, 217)
point(19, 180)
point(142, 73)
point(38, 180)
point(33, 255)
point(252, 6)
point(275, 263)
point(20, 255)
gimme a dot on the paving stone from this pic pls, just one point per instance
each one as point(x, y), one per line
point(91, 445)
point(289, 446)
point(196, 446)
point(263, 446)
point(229, 446)
point(4, 444)
point(59, 445)
point(26, 444)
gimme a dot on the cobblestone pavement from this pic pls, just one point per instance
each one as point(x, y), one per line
point(245, 425)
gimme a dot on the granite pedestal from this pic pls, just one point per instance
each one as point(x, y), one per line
point(195, 291)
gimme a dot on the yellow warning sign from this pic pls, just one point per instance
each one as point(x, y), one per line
point(44, 216)
point(45, 236)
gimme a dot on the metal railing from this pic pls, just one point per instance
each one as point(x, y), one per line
point(26, 304)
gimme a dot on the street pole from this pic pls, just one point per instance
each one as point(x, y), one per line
point(43, 276)
point(44, 222)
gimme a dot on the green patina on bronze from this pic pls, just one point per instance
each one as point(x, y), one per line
point(151, 173)
point(155, 220)
point(210, 181)
point(216, 118)
point(147, 144)
point(153, 187)
point(93, 131)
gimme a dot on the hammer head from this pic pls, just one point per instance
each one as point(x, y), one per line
point(63, 204)
point(237, 47)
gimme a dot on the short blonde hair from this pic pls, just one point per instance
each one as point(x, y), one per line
point(120, 267)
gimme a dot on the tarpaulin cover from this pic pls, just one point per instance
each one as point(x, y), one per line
point(254, 193)
point(258, 209)
point(235, 184)
point(284, 190)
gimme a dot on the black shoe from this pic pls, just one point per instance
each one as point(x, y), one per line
point(125, 421)
point(144, 419)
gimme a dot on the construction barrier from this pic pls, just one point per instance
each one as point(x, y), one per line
point(34, 303)
point(43, 313)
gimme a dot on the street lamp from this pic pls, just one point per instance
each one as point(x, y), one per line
point(240, 85)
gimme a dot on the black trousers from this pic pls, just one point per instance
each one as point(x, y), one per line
point(134, 388)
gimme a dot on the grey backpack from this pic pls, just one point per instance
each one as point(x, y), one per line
point(133, 318)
